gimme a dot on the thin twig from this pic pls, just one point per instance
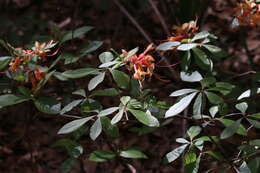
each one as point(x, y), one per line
point(130, 17)
point(243, 74)
point(157, 12)
point(142, 31)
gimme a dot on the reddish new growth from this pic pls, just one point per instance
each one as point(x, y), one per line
point(143, 64)
point(42, 50)
point(186, 30)
point(247, 13)
point(35, 77)
point(20, 63)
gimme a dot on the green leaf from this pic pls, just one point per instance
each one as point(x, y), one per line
point(197, 106)
point(106, 57)
point(254, 165)
point(186, 60)
point(109, 129)
point(196, 166)
point(225, 85)
point(168, 45)
point(206, 82)
point(180, 106)
point(214, 98)
point(48, 105)
point(105, 92)
point(69, 58)
point(60, 76)
point(125, 100)
point(95, 81)
point(244, 168)
point(257, 115)
point(77, 134)
point(4, 61)
point(107, 111)
point(76, 151)
point(133, 154)
point(174, 154)
point(118, 116)
point(230, 130)
point(188, 46)
point(190, 161)
point(73, 125)
point(216, 155)
point(101, 156)
point(70, 106)
point(191, 77)
point(202, 59)
point(213, 49)
point(10, 99)
point(91, 47)
point(108, 64)
point(200, 35)
point(204, 139)
point(25, 91)
point(182, 92)
point(199, 144)
point(255, 142)
point(242, 107)
point(90, 106)
point(194, 131)
point(145, 118)
point(95, 129)
point(255, 123)
point(132, 52)
point(76, 33)
point(223, 91)
point(122, 80)
point(72, 147)
point(182, 141)
point(248, 93)
point(79, 73)
point(80, 92)
point(213, 111)
point(67, 165)
point(227, 122)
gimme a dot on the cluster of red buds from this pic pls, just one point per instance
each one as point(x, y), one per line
point(142, 64)
point(20, 63)
point(247, 13)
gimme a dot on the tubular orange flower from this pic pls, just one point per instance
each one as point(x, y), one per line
point(142, 64)
point(247, 13)
point(35, 77)
point(15, 64)
point(186, 30)
point(43, 49)
point(38, 74)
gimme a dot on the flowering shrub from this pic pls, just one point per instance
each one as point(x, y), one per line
point(209, 102)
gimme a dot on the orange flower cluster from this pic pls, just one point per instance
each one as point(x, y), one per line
point(248, 13)
point(186, 30)
point(20, 62)
point(36, 77)
point(142, 64)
